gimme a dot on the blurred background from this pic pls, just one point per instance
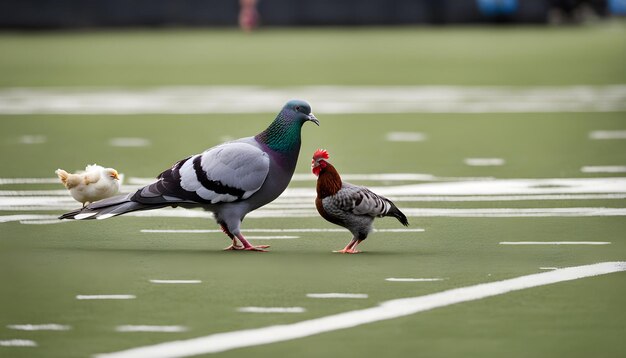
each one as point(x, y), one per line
point(45, 14)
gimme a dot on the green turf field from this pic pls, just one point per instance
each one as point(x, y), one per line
point(45, 266)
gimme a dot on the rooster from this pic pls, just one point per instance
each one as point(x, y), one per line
point(95, 183)
point(230, 179)
point(351, 206)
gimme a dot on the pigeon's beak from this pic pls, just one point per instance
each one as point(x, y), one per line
point(313, 119)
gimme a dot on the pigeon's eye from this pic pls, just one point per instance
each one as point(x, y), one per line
point(297, 108)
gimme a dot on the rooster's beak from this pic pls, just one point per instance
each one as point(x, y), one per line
point(313, 119)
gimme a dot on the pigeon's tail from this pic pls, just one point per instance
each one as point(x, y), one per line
point(396, 213)
point(106, 208)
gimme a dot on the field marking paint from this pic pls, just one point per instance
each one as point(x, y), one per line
point(483, 162)
point(10, 218)
point(272, 237)
point(62, 196)
point(18, 343)
point(548, 268)
point(532, 197)
point(176, 281)
point(337, 295)
point(33, 139)
point(405, 137)
point(515, 212)
point(271, 309)
point(129, 142)
point(614, 134)
point(410, 212)
point(387, 310)
point(147, 328)
point(43, 222)
point(604, 169)
point(394, 279)
point(106, 297)
point(10, 181)
point(39, 327)
point(191, 231)
point(327, 99)
point(555, 243)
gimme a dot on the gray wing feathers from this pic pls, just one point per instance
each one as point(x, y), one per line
point(226, 173)
point(359, 201)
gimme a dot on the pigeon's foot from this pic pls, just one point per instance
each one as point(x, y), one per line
point(260, 248)
point(234, 245)
point(249, 247)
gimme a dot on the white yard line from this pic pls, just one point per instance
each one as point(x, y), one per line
point(483, 162)
point(337, 295)
point(106, 297)
point(555, 243)
point(608, 134)
point(548, 268)
point(271, 309)
point(40, 327)
point(515, 212)
point(495, 198)
point(129, 142)
point(325, 99)
point(394, 279)
point(147, 328)
point(405, 137)
point(311, 213)
point(176, 281)
point(604, 169)
point(33, 139)
point(9, 181)
point(191, 231)
point(284, 237)
point(18, 343)
point(10, 218)
point(226, 341)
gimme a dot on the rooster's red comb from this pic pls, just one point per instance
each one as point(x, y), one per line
point(320, 154)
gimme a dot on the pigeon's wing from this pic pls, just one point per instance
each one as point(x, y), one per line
point(229, 172)
point(358, 200)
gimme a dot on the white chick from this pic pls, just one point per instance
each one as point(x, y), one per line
point(95, 183)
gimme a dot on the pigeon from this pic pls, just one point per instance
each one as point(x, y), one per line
point(351, 206)
point(95, 183)
point(230, 179)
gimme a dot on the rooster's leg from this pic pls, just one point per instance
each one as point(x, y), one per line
point(350, 248)
point(249, 247)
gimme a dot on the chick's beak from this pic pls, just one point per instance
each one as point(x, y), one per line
point(115, 175)
point(314, 119)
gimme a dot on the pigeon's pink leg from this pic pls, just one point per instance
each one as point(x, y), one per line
point(350, 248)
point(249, 247)
point(234, 245)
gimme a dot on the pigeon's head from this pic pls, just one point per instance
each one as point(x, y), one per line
point(283, 134)
point(298, 111)
point(320, 161)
